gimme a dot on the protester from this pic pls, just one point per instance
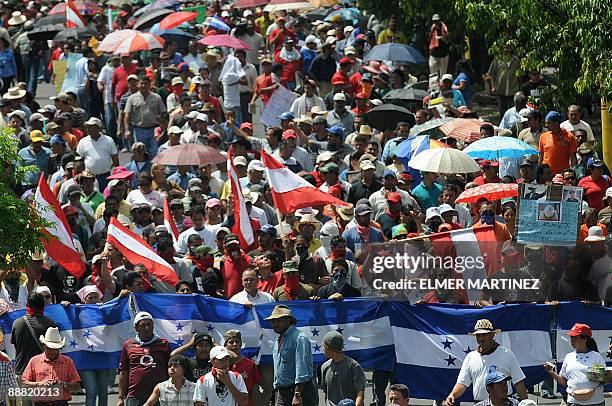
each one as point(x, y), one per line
point(220, 385)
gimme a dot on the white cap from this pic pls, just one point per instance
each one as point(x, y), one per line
point(348, 28)
point(218, 352)
point(330, 40)
point(339, 97)
point(447, 76)
point(524, 113)
point(42, 289)
point(324, 156)
point(595, 234)
point(446, 208)
point(202, 117)
point(177, 81)
point(197, 80)
point(310, 38)
point(331, 33)
point(431, 213)
point(224, 14)
point(240, 160)
point(192, 114)
point(174, 130)
point(366, 164)
point(608, 193)
point(94, 121)
point(142, 316)
point(247, 13)
point(256, 165)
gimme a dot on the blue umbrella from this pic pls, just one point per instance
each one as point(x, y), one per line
point(499, 147)
point(346, 14)
point(395, 53)
point(175, 34)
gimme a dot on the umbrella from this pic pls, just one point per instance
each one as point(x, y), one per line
point(386, 116)
point(250, 3)
point(489, 191)
point(77, 33)
point(323, 3)
point(318, 13)
point(224, 40)
point(394, 52)
point(84, 7)
point(444, 160)
point(499, 147)
point(189, 154)
point(463, 129)
point(127, 41)
point(429, 125)
point(119, 3)
point(346, 14)
point(175, 19)
point(175, 34)
point(45, 32)
point(51, 20)
point(156, 5)
point(151, 17)
point(286, 5)
point(406, 94)
point(216, 23)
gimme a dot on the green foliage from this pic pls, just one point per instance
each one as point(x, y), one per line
point(19, 225)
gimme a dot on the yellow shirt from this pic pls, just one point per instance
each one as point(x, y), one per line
point(388, 35)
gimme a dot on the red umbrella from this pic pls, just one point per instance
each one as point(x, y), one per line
point(463, 129)
point(176, 19)
point(250, 3)
point(84, 7)
point(224, 40)
point(489, 191)
point(189, 154)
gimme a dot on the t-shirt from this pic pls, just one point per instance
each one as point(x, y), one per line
point(147, 366)
point(213, 393)
point(250, 374)
point(232, 274)
point(197, 369)
point(580, 125)
point(27, 346)
point(341, 380)
point(574, 369)
point(97, 153)
point(476, 366)
point(119, 79)
point(557, 150)
point(154, 198)
point(595, 190)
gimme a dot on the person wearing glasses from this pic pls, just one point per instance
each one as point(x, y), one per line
point(46, 293)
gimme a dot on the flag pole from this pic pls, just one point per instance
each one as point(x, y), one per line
point(279, 217)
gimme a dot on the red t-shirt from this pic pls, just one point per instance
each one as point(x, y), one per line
point(147, 366)
point(286, 32)
point(595, 191)
point(268, 285)
point(481, 180)
point(250, 374)
point(289, 69)
point(262, 82)
point(119, 79)
point(232, 273)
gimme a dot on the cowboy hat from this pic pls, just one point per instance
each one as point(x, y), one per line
point(365, 130)
point(346, 213)
point(14, 93)
point(279, 312)
point(310, 219)
point(484, 326)
point(52, 339)
point(17, 18)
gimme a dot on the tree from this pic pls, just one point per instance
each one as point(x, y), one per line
point(19, 224)
point(571, 36)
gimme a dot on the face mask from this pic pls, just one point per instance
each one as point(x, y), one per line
point(487, 217)
point(235, 254)
point(339, 280)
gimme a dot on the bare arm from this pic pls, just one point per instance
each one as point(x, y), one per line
point(521, 390)
point(123, 386)
point(115, 159)
point(184, 347)
point(457, 391)
point(154, 397)
point(359, 399)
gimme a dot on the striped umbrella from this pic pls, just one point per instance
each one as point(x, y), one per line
point(490, 191)
point(128, 41)
point(463, 129)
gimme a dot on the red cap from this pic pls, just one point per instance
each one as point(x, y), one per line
point(69, 210)
point(338, 81)
point(346, 60)
point(213, 136)
point(288, 134)
point(119, 172)
point(407, 176)
point(361, 96)
point(486, 163)
point(394, 197)
point(246, 125)
point(580, 329)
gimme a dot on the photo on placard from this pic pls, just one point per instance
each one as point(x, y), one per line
point(572, 194)
point(534, 192)
point(549, 211)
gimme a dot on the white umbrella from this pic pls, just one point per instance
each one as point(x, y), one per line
point(444, 160)
point(300, 5)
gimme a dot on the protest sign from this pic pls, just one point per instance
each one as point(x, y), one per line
point(281, 101)
point(548, 214)
point(59, 72)
point(71, 82)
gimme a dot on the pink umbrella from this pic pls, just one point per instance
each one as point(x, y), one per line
point(176, 19)
point(224, 40)
point(189, 154)
point(250, 3)
point(128, 41)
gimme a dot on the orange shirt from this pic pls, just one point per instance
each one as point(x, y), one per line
point(71, 140)
point(557, 150)
point(501, 231)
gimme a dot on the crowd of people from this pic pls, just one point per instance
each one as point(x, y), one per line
point(187, 93)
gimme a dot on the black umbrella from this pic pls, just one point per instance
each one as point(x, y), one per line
point(76, 33)
point(50, 20)
point(386, 117)
point(45, 32)
point(318, 13)
point(406, 94)
point(148, 19)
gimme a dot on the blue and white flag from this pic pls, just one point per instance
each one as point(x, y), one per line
point(410, 148)
point(94, 334)
point(432, 341)
point(179, 317)
point(217, 23)
point(364, 324)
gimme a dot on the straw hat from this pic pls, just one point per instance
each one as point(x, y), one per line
point(17, 18)
point(484, 326)
point(365, 130)
point(14, 93)
point(346, 213)
point(311, 219)
point(52, 338)
point(279, 312)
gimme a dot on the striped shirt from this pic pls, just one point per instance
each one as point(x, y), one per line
point(7, 375)
point(169, 395)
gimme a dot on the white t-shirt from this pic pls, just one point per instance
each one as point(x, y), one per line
point(154, 198)
point(206, 234)
point(97, 154)
point(582, 125)
point(574, 370)
point(475, 368)
point(106, 76)
point(206, 391)
point(260, 297)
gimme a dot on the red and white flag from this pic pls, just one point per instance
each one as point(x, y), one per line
point(137, 251)
point(74, 19)
point(169, 221)
point(290, 191)
point(241, 215)
point(58, 241)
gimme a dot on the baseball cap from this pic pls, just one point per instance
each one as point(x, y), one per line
point(192, 114)
point(361, 96)
point(142, 316)
point(339, 97)
point(94, 121)
point(212, 203)
point(74, 189)
point(594, 163)
point(431, 213)
point(496, 377)
point(38, 117)
point(57, 140)
point(202, 117)
point(446, 208)
point(256, 165)
point(585, 148)
point(199, 337)
point(329, 167)
point(553, 116)
point(267, 229)
point(219, 352)
point(246, 125)
point(525, 162)
point(485, 163)
point(447, 76)
point(287, 115)
point(36, 136)
point(174, 130)
point(392, 197)
point(346, 60)
point(289, 134)
point(177, 81)
point(325, 156)
point(336, 129)
point(231, 239)
point(362, 209)
point(366, 165)
point(389, 172)
point(240, 160)
point(348, 29)
point(579, 329)
point(132, 77)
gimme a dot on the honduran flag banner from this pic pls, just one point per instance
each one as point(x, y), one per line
point(433, 340)
point(364, 324)
point(179, 317)
point(94, 334)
